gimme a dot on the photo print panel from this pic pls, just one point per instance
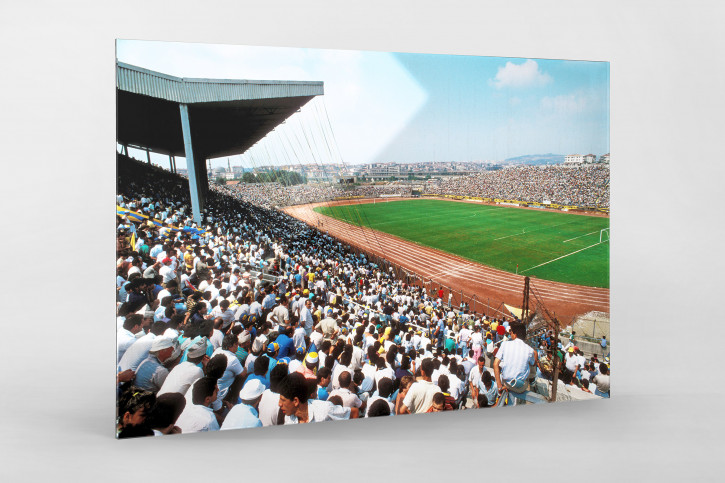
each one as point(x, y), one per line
point(309, 235)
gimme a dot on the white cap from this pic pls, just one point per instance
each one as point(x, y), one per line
point(197, 349)
point(161, 343)
point(252, 390)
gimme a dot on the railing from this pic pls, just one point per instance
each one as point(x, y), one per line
point(266, 276)
point(530, 397)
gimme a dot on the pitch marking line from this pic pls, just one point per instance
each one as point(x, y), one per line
point(531, 231)
point(507, 236)
point(563, 256)
point(570, 239)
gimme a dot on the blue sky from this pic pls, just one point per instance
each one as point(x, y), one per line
point(407, 107)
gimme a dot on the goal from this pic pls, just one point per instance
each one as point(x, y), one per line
point(604, 235)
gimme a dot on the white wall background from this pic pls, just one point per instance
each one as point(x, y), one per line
point(57, 120)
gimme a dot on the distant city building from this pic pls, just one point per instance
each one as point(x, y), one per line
point(604, 158)
point(583, 159)
point(573, 159)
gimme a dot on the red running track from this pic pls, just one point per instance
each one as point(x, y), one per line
point(563, 300)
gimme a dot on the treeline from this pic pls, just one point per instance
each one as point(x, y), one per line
point(285, 178)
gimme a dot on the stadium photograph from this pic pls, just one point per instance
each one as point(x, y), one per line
point(308, 235)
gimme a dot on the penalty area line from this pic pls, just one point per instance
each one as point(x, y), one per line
point(590, 233)
point(563, 256)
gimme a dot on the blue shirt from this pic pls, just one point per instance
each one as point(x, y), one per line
point(286, 346)
point(272, 363)
point(269, 301)
point(322, 393)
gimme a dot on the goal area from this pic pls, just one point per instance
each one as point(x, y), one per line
point(603, 235)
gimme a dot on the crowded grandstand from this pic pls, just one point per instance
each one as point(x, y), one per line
point(253, 318)
point(582, 186)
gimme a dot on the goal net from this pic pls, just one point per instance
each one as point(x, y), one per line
point(604, 235)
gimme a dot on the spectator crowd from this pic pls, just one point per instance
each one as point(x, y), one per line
point(255, 319)
point(586, 186)
point(271, 195)
point(578, 186)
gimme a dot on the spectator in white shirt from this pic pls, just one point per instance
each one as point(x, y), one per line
point(126, 336)
point(199, 415)
point(514, 360)
point(183, 375)
point(139, 350)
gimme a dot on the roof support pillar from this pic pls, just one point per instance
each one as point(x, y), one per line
point(202, 180)
point(191, 165)
point(148, 156)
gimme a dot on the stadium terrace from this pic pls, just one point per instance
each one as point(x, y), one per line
point(252, 318)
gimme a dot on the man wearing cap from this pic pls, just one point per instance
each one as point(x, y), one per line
point(185, 373)
point(309, 367)
point(571, 365)
point(245, 343)
point(151, 373)
point(167, 272)
point(245, 414)
point(139, 350)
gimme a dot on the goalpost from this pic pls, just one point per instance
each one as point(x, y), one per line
point(604, 235)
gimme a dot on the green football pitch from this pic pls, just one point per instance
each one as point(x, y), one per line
point(557, 246)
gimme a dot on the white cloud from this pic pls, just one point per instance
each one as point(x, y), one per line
point(520, 75)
